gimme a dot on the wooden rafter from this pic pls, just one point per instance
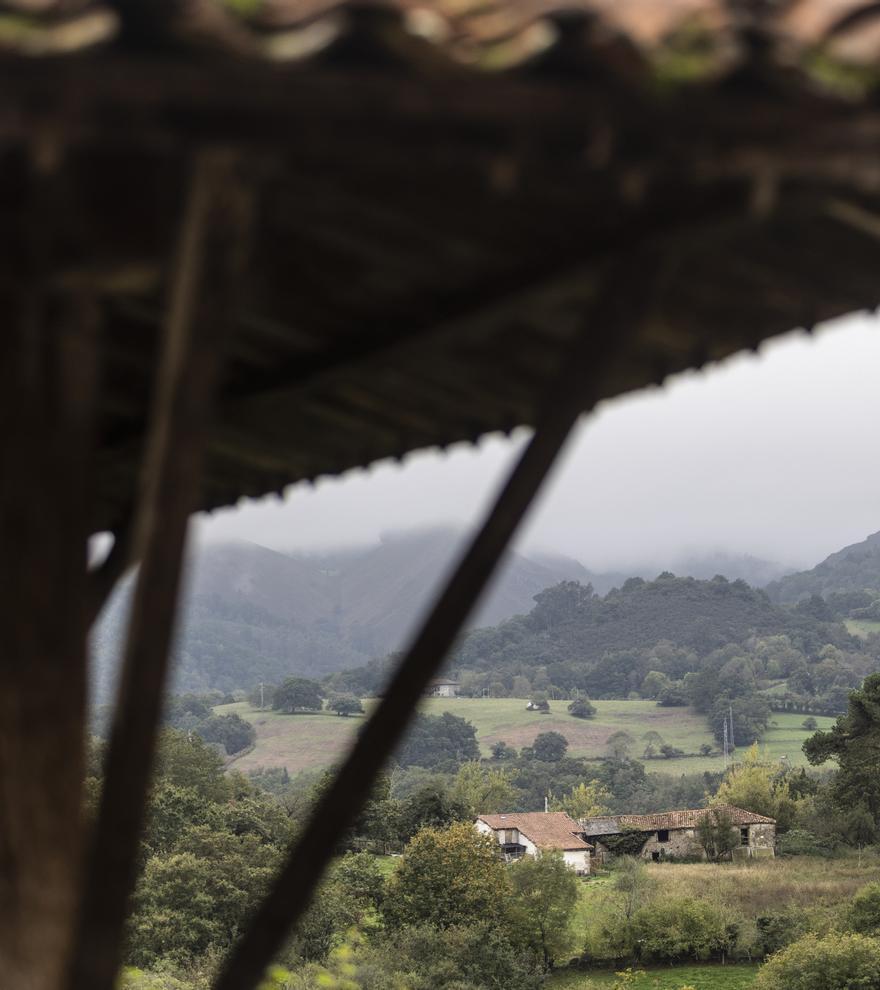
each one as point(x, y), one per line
point(200, 314)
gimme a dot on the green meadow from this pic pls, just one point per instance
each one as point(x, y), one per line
point(303, 742)
point(863, 627)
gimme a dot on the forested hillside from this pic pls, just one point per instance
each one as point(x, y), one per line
point(856, 568)
point(253, 614)
point(713, 644)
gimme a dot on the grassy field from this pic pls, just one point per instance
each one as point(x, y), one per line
point(813, 894)
point(701, 977)
point(302, 742)
point(863, 627)
point(799, 884)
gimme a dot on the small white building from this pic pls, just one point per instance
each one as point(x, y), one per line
point(531, 832)
point(442, 689)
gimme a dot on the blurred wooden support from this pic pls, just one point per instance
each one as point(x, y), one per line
point(47, 389)
point(210, 258)
point(616, 316)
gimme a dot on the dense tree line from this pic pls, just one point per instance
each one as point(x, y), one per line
point(731, 653)
point(678, 641)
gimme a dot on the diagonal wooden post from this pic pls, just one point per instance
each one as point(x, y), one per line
point(200, 315)
point(616, 316)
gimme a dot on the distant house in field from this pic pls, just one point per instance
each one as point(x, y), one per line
point(532, 832)
point(442, 689)
point(673, 834)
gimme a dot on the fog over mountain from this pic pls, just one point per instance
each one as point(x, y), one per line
point(855, 568)
point(765, 455)
point(754, 469)
point(251, 613)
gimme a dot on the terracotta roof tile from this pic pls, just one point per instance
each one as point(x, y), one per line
point(548, 830)
point(690, 818)
point(702, 37)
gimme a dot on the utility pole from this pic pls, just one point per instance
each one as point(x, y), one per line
point(732, 736)
point(725, 744)
point(261, 696)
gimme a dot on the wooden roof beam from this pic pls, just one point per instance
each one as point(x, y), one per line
point(200, 314)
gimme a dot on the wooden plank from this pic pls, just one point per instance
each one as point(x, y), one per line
point(201, 312)
point(576, 387)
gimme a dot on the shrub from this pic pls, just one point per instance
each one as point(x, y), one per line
point(833, 962)
point(774, 932)
point(345, 705)
point(864, 913)
point(670, 752)
point(503, 751)
point(582, 708)
point(679, 928)
point(800, 842)
point(232, 732)
point(673, 697)
point(472, 957)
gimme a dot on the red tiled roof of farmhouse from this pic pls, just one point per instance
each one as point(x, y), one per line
point(689, 818)
point(699, 38)
point(548, 830)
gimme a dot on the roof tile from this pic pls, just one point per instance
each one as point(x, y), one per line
point(689, 818)
point(548, 830)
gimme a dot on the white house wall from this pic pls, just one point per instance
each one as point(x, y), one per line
point(577, 859)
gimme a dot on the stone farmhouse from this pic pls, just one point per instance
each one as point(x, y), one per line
point(673, 834)
point(440, 688)
point(529, 833)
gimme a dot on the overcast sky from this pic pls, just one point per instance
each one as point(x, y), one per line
point(773, 455)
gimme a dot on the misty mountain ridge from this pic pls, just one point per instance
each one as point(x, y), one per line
point(855, 568)
point(250, 613)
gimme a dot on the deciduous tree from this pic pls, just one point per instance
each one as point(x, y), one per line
point(545, 894)
point(761, 786)
point(447, 877)
point(550, 747)
point(619, 744)
point(584, 801)
point(482, 790)
point(297, 694)
point(716, 835)
point(345, 705)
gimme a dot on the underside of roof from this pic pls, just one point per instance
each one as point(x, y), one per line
point(440, 190)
